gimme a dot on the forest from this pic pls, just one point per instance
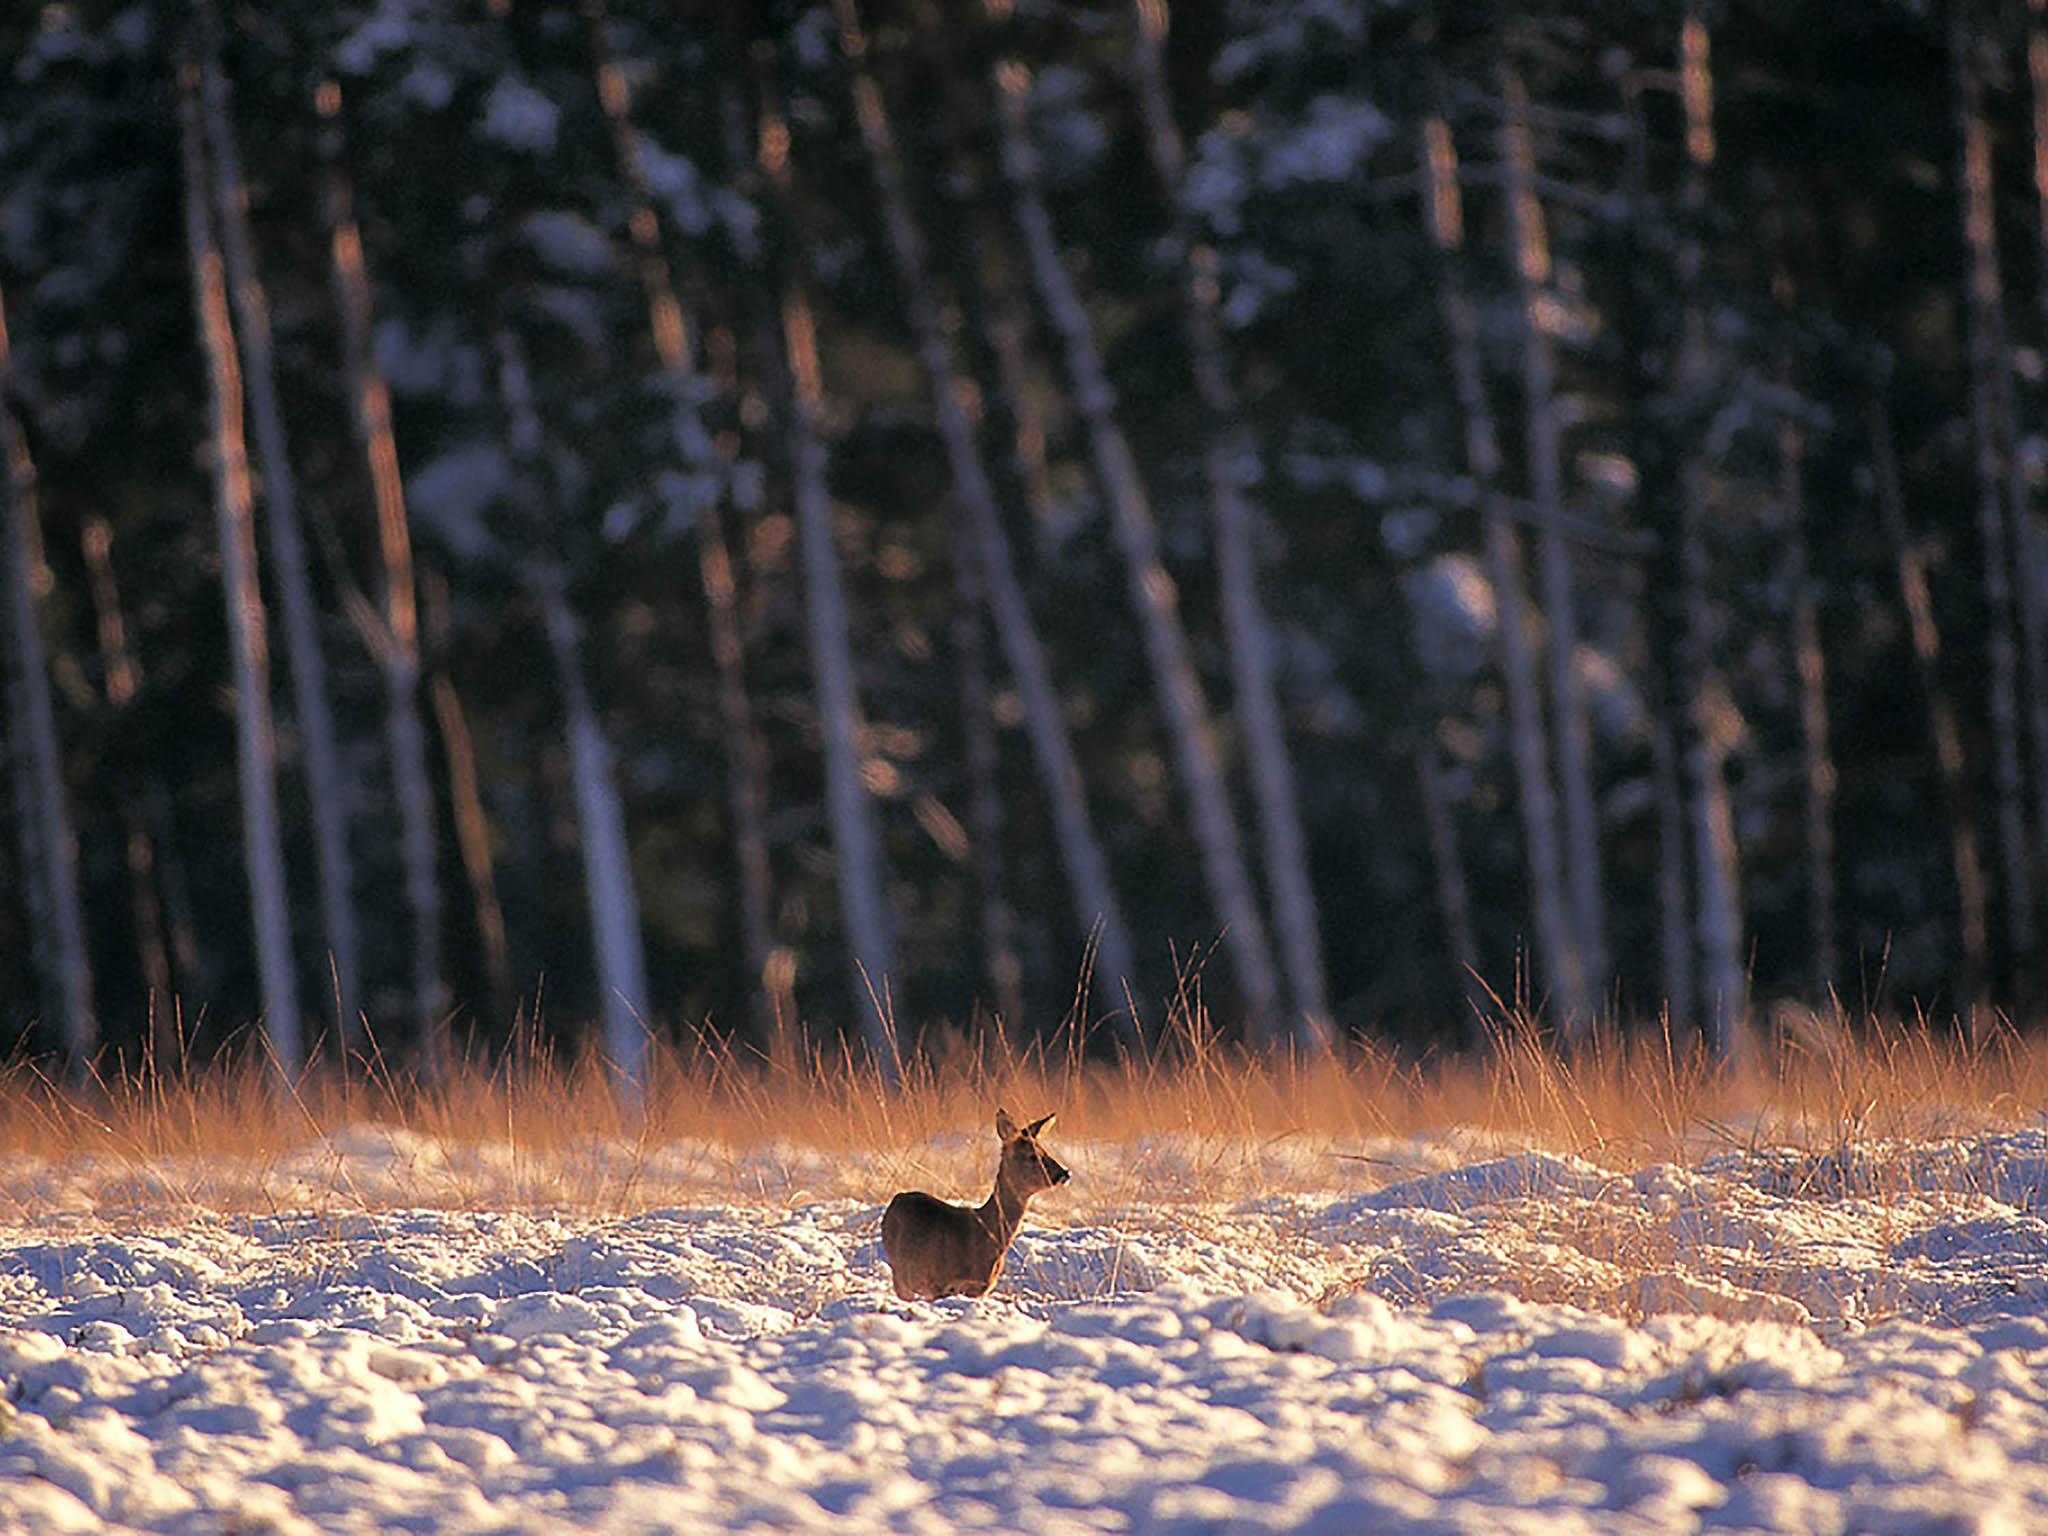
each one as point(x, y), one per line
point(848, 526)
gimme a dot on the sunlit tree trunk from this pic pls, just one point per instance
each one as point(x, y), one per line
point(1556, 952)
point(298, 613)
point(256, 754)
point(1972, 929)
point(746, 791)
point(600, 817)
point(1719, 908)
point(49, 837)
point(1544, 452)
point(1229, 459)
point(392, 632)
point(986, 554)
point(1991, 445)
point(1152, 590)
point(856, 836)
point(472, 828)
point(122, 678)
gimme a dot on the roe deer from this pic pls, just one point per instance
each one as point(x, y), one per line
point(939, 1249)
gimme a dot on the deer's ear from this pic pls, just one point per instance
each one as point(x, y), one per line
point(1005, 1126)
point(1038, 1125)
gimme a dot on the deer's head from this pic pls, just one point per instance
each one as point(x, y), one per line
point(1027, 1167)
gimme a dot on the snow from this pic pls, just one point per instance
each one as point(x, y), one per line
point(382, 1330)
point(520, 117)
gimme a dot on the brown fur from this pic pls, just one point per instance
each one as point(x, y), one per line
point(937, 1248)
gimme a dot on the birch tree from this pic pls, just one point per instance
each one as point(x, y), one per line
point(1229, 459)
point(1718, 910)
point(600, 815)
point(1656, 457)
point(472, 829)
point(121, 675)
point(390, 627)
point(1817, 774)
point(1535, 799)
point(1153, 593)
point(746, 789)
point(987, 553)
point(1530, 248)
point(49, 837)
point(1990, 439)
point(856, 836)
point(1943, 730)
point(256, 752)
point(298, 613)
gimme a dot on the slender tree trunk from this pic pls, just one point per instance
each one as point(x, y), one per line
point(1544, 452)
point(256, 755)
point(746, 792)
point(1558, 954)
point(393, 633)
point(1152, 589)
point(1658, 451)
point(123, 680)
point(49, 836)
point(1810, 665)
point(1229, 459)
point(984, 777)
point(472, 828)
point(1719, 908)
point(856, 836)
point(1972, 929)
point(986, 560)
point(1453, 895)
point(1987, 359)
point(297, 610)
point(600, 818)
point(1674, 905)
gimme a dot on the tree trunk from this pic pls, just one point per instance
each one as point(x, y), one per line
point(1559, 955)
point(1229, 459)
point(600, 818)
point(49, 838)
point(1718, 910)
point(1810, 665)
point(256, 754)
point(1544, 452)
point(393, 633)
point(472, 829)
point(123, 680)
point(1152, 590)
point(1453, 895)
point(297, 610)
point(986, 560)
point(1990, 447)
point(746, 791)
point(1972, 929)
point(856, 837)
point(1674, 905)
point(1658, 451)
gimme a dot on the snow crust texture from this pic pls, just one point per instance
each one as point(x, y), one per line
point(1768, 1340)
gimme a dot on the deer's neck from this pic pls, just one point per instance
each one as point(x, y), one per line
point(1001, 1214)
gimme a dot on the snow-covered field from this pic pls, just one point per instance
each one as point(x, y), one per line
point(1438, 1339)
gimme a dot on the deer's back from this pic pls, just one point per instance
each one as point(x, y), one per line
point(936, 1248)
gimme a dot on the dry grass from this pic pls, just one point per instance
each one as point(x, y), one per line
point(1195, 1121)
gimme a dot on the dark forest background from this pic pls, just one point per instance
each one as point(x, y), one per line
point(639, 517)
